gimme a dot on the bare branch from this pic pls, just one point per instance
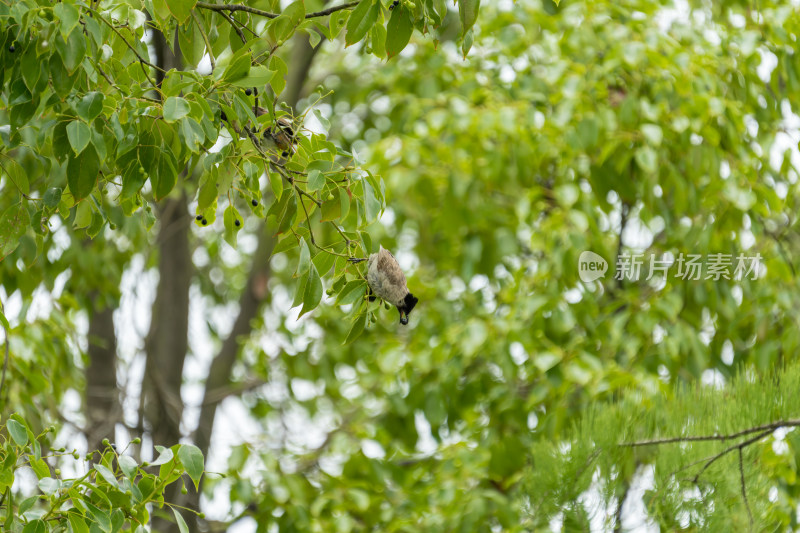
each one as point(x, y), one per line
point(333, 9)
point(772, 426)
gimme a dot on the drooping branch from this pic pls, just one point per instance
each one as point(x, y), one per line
point(267, 14)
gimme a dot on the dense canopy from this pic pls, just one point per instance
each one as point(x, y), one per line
point(188, 346)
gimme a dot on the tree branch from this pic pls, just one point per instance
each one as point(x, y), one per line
point(261, 13)
point(772, 426)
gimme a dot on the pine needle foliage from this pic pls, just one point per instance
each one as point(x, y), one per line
point(690, 439)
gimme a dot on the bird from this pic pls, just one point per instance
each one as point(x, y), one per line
point(282, 134)
point(387, 281)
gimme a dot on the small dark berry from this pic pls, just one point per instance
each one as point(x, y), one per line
point(205, 222)
point(285, 153)
point(248, 91)
point(255, 203)
point(11, 48)
point(198, 217)
point(237, 222)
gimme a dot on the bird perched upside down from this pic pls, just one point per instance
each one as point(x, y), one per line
point(388, 282)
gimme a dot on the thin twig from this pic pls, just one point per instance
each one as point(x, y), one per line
point(333, 9)
point(233, 25)
point(772, 426)
point(729, 449)
point(236, 7)
point(267, 14)
point(744, 489)
point(142, 61)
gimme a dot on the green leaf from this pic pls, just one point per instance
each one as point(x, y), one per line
point(79, 135)
point(398, 31)
point(324, 262)
point(192, 134)
point(276, 184)
point(295, 12)
point(17, 175)
point(305, 259)
point(31, 68)
point(100, 517)
point(239, 67)
point(192, 459)
point(287, 243)
point(316, 180)
point(313, 291)
point(52, 197)
point(107, 475)
point(466, 43)
point(72, 50)
point(468, 14)
point(90, 106)
point(352, 292)
point(83, 215)
point(40, 468)
point(35, 526)
point(78, 523)
point(378, 40)
point(257, 77)
point(82, 172)
point(175, 108)
point(356, 329)
point(165, 178)
point(67, 15)
point(17, 431)
point(278, 81)
point(49, 485)
point(128, 465)
point(372, 205)
point(190, 40)
point(165, 455)
point(180, 521)
point(181, 9)
point(288, 215)
point(13, 225)
point(332, 209)
point(233, 223)
point(361, 20)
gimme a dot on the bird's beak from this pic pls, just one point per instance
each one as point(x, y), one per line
point(403, 318)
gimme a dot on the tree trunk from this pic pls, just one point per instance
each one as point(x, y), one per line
point(103, 409)
point(167, 341)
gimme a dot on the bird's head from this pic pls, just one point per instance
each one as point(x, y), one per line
point(406, 306)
